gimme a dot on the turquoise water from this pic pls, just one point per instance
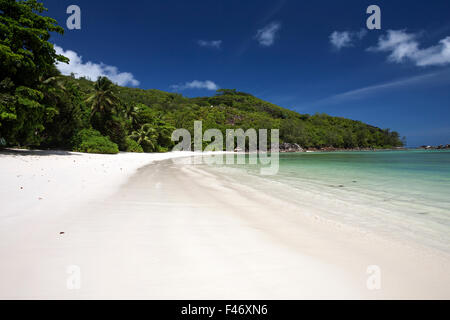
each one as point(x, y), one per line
point(402, 194)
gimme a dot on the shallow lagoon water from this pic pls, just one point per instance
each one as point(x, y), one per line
point(401, 194)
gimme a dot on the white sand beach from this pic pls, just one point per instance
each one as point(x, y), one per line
point(140, 226)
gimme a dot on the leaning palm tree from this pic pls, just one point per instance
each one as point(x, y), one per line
point(53, 87)
point(55, 81)
point(104, 98)
point(147, 137)
point(52, 78)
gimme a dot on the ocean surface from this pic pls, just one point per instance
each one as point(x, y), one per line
point(400, 194)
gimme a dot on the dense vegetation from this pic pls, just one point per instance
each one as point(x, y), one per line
point(41, 108)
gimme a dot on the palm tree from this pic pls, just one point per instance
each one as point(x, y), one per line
point(104, 99)
point(52, 86)
point(147, 137)
point(131, 112)
point(55, 81)
point(52, 78)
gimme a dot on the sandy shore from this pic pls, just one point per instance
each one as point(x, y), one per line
point(174, 231)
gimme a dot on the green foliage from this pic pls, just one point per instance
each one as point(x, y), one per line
point(91, 141)
point(163, 149)
point(115, 129)
point(26, 55)
point(68, 100)
point(25, 51)
point(146, 137)
point(103, 100)
point(133, 146)
point(106, 115)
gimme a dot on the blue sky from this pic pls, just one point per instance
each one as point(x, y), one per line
point(308, 56)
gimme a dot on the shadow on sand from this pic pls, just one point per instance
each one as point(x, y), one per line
point(24, 152)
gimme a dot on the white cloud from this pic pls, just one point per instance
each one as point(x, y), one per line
point(404, 46)
point(210, 43)
point(92, 70)
point(266, 36)
point(196, 84)
point(342, 39)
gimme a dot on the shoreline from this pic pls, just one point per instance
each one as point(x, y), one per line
point(166, 230)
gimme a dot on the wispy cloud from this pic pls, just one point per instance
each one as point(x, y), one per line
point(364, 92)
point(266, 36)
point(216, 44)
point(91, 70)
point(196, 84)
point(403, 46)
point(342, 39)
point(276, 6)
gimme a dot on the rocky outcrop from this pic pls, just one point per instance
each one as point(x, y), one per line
point(290, 147)
point(440, 147)
point(333, 149)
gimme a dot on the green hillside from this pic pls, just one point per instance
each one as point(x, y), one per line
point(143, 120)
point(233, 109)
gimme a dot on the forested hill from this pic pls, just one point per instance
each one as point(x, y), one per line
point(233, 109)
point(41, 108)
point(143, 120)
point(229, 108)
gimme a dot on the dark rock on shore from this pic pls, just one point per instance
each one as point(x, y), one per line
point(330, 149)
point(440, 147)
point(290, 147)
point(294, 147)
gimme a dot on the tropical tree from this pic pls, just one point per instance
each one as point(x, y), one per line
point(165, 131)
point(147, 137)
point(55, 81)
point(52, 86)
point(104, 99)
point(130, 112)
point(71, 115)
point(26, 55)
